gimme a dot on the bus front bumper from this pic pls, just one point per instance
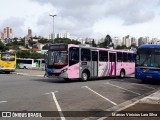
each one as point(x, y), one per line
point(7, 69)
point(143, 76)
point(57, 75)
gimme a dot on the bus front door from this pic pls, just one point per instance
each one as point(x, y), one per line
point(112, 62)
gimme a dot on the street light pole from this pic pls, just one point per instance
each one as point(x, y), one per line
point(53, 21)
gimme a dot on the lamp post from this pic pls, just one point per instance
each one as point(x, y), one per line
point(53, 21)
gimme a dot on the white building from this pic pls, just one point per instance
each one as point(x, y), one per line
point(52, 36)
point(127, 40)
point(60, 35)
point(117, 41)
point(67, 35)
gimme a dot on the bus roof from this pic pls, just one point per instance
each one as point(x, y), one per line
point(96, 48)
point(150, 46)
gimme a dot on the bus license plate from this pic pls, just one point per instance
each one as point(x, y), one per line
point(149, 76)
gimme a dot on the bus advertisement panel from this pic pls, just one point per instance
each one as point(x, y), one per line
point(148, 62)
point(7, 62)
point(76, 61)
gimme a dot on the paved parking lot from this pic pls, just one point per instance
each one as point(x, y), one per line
point(31, 93)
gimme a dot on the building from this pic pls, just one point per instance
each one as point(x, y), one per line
point(8, 33)
point(67, 35)
point(29, 32)
point(59, 35)
point(1, 35)
point(53, 36)
point(141, 41)
point(127, 40)
point(155, 41)
point(117, 41)
point(133, 41)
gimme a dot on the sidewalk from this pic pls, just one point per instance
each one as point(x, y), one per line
point(30, 72)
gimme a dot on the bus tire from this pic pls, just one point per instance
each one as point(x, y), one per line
point(122, 74)
point(84, 76)
point(7, 72)
point(24, 67)
point(67, 79)
point(144, 81)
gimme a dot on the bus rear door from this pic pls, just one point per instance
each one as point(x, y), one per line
point(94, 64)
point(112, 62)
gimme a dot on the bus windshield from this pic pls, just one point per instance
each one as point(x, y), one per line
point(60, 57)
point(148, 57)
point(8, 57)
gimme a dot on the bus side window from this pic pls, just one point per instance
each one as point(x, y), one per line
point(125, 57)
point(85, 55)
point(129, 57)
point(103, 56)
point(74, 55)
point(119, 56)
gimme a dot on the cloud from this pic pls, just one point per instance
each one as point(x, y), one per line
point(17, 25)
point(79, 16)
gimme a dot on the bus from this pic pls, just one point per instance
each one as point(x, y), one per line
point(7, 62)
point(28, 63)
point(148, 62)
point(69, 61)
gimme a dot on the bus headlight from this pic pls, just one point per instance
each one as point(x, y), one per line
point(64, 70)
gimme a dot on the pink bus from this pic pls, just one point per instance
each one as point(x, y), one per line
point(71, 61)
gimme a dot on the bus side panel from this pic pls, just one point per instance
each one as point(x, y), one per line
point(119, 66)
point(112, 68)
point(103, 69)
point(130, 69)
point(86, 65)
point(73, 71)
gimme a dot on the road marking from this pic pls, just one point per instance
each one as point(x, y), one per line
point(144, 86)
point(99, 95)
point(122, 88)
point(58, 106)
point(3, 101)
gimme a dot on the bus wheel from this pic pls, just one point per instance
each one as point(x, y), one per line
point(122, 74)
point(144, 81)
point(67, 79)
point(24, 67)
point(84, 76)
point(7, 72)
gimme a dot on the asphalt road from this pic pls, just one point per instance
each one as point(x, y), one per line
point(31, 93)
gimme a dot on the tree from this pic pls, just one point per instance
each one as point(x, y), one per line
point(28, 54)
point(121, 47)
point(45, 47)
point(93, 43)
point(66, 41)
point(3, 47)
point(107, 41)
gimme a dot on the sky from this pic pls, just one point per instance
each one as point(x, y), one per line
point(82, 18)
